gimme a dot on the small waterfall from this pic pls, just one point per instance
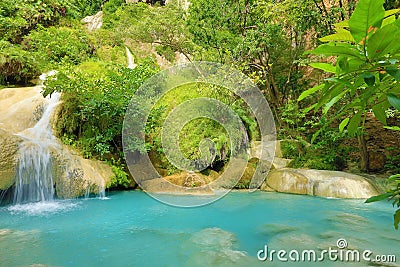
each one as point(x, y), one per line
point(34, 181)
point(130, 59)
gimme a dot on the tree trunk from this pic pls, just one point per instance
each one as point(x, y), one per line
point(362, 144)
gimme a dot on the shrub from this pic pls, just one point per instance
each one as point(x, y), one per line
point(19, 17)
point(16, 65)
point(94, 105)
point(60, 44)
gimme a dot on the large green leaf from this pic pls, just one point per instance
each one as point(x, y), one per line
point(330, 91)
point(333, 101)
point(388, 20)
point(343, 124)
point(383, 41)
point(340, 35)
point(393, 128)
point(355, 64)
point(394, 100)
point(391, 12)
point(379, 113)
point(310, 91)
point(354, 122)
point(369, 78)
point(368, 14)
point(396, 217)
point(342, 24)
point(323, 66)
point(342, 65)
point(378, 198)
point(336, 50)
point(394, 72)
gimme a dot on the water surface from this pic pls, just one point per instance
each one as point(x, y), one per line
point(132, 229)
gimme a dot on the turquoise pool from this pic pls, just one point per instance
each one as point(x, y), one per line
point(132, 229)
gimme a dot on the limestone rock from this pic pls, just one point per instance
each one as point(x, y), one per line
point(280, 163)
point(319, 183)
point(8, 158)
point(94, 22)
point(161, 185)
point(21, 109)
point(75, 176)
point(193, 180)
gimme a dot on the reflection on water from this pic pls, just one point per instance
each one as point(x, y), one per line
point(132, 229)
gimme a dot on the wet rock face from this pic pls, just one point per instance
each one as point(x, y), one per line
point(319, 183)
point(73, 176)
point(8, 158)
point(17, 112)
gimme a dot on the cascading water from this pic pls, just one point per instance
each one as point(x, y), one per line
point(130, 59)
point(34, 181)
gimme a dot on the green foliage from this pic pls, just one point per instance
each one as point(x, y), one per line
point(367, 71)
point(112, 5)
point(391, 195)
point(60, 44)
point(81, 8)
point(19, 17)
point(166, 52)
point(393, 160)
point(290, 149)
point(94, 106)
point(120, 178)
point(196, 130)
point(293, 120)
point(17, 66)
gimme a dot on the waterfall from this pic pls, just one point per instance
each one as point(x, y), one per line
point(130, 59)
point(34, 181)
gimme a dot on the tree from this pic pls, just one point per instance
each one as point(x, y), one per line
point(365, 74)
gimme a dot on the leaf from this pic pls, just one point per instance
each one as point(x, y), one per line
point(333, 101)
point(394, 100)
point(396, 217)
point(388, 20)
point(342, 24)
point(383, 40)
point(343, 64)
point(339, 81)
point(379, 113)
point(340, 35)
point(394, 72)
point(368, 13)
point(330, 90)
point(394, 177)
point(343, 124)
point(369, 78)
point(310, 91)
point(336, 50)
point(315, 135)
point(306, 110)
point(323, 66)
point(378, 198)
point(391, 12)
point(355, 64)
point(394, 128)
point(354, 122)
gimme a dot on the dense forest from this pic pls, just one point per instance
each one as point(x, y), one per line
point(347, 54)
